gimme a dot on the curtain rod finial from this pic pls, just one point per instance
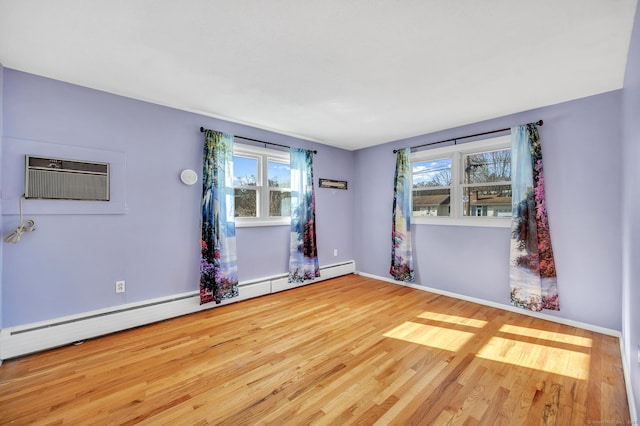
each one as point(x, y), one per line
point(539, 122)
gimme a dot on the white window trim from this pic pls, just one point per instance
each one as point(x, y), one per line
point(456, 152)
point(263, 155)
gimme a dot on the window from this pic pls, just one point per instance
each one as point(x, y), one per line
point(467, 184)
point(262, 186)
point(486, 187)
point(432, 187)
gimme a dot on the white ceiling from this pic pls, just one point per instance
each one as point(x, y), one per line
point(347, 73)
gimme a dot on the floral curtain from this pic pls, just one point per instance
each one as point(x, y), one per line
point(218, 262)
point(401, 257)
point(303, 259)
point(532, 267)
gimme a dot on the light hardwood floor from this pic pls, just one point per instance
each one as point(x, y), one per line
point(351, 350)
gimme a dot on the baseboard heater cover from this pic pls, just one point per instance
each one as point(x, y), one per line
point(29, 338)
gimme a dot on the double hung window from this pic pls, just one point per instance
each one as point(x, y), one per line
point(467, 184)
point(262, 184)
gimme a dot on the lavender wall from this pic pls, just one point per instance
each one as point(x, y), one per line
point(151, 240)
point(582, 153)
point(630, 209)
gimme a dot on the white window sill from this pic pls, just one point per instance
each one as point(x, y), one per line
point(486, 222)
point(245, 222)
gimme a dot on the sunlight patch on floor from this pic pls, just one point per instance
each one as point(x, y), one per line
point(564, 362)
point(547, 335)
point(432, 336)
point(453, 319)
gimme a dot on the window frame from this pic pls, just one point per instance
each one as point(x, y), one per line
point(263, 157)
point(457, 153)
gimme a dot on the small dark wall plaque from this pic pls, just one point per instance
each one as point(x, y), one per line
point(335, 184)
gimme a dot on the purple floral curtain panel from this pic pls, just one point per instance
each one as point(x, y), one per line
point(401, 257)
point(303, 259)
point(218, 262)
point(532, 267)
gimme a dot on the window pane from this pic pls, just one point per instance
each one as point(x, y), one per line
point(492, 166)
point(279, 175)
point(245, 171)
point(279, 203)
point(246, 202)
point(494, 201)
point(431, 202)
point(432, 173)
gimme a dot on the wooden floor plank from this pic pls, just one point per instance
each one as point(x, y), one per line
point(351, 350)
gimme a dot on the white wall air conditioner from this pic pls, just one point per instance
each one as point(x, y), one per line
point(58, 179)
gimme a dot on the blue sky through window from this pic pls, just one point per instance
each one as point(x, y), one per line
point(245, 171)
point(427, 172)
point(279, 174)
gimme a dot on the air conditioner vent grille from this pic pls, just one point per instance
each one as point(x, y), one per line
point(51, 178)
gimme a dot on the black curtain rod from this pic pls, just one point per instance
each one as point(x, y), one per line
point(259, 141)
point(539, 123)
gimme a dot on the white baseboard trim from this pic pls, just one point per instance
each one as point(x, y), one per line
point(33, 337)
point(586, 326)
point(627, 381)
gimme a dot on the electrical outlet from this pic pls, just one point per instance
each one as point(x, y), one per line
point(335, 252)
point(120, 287)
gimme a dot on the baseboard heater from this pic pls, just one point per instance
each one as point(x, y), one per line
point(28, 338)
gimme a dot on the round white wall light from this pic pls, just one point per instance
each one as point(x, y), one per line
point(188, 177)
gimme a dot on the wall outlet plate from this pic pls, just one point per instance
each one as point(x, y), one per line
point(120, 287)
